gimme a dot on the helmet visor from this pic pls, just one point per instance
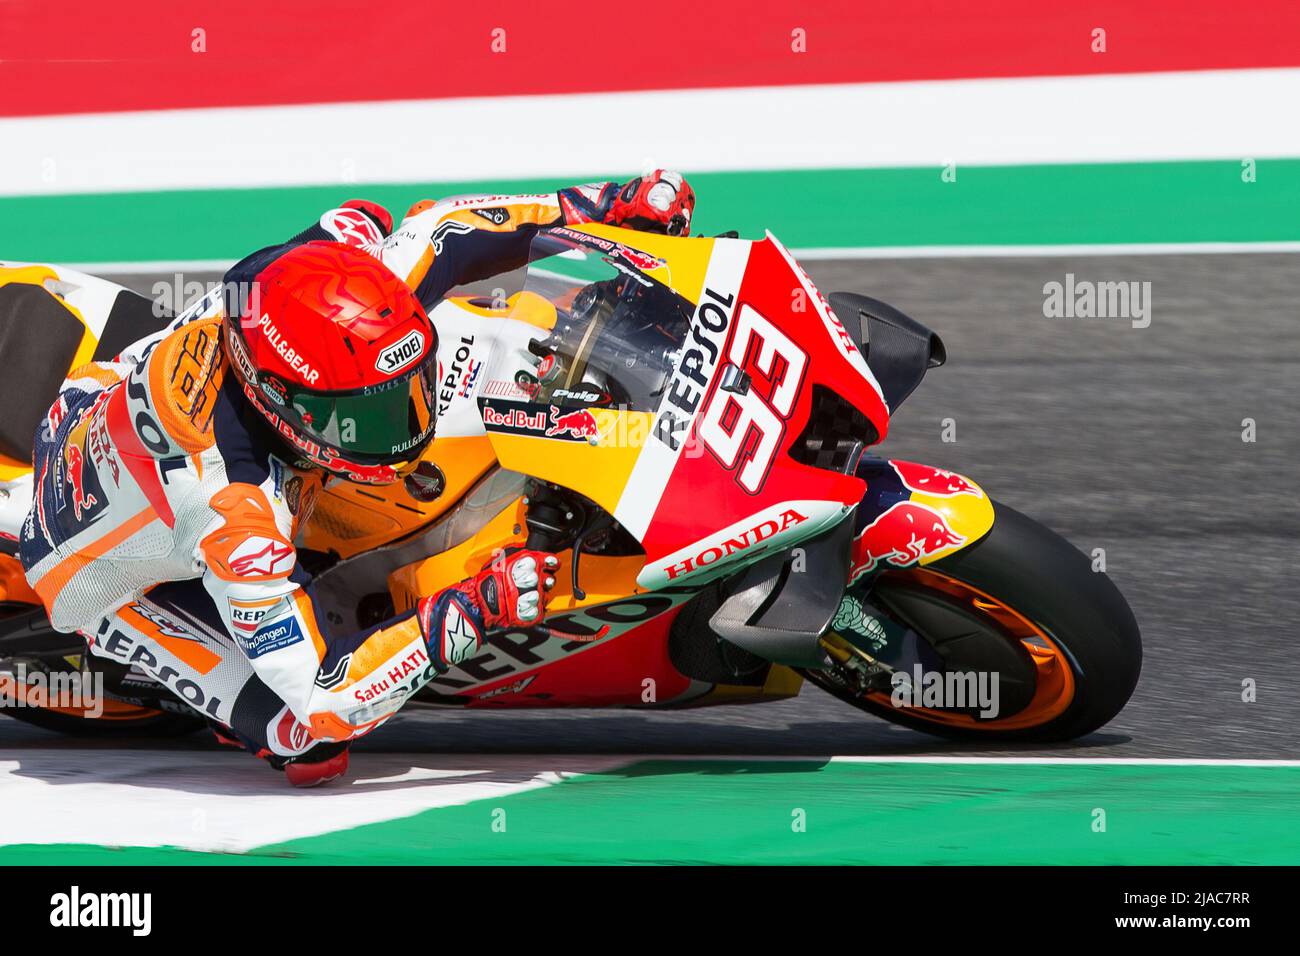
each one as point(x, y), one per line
point(380, 425)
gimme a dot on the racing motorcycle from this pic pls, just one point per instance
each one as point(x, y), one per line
point(687, 423)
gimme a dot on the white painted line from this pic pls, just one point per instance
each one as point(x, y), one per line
point(166, 266)
point(831, 253)
point(231, 802)
point(1213, 114)
point(1085, 761)
point(961, 760)
point(1047, 250)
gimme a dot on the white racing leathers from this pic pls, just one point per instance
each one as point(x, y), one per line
point(165, 509)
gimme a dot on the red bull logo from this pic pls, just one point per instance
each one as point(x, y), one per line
point(902, 536)
point(80, 500)
point(639, 259)
point(934, 481)
point(579, 423)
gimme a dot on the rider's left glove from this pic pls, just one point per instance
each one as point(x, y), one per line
point(510, 592)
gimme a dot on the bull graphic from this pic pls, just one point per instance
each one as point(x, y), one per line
point(80, 499)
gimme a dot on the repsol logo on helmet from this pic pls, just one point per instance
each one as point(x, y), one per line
point(400, 354)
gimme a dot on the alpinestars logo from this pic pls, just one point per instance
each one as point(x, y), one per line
point(262, 557)
point(354, 228)
point(460, 637)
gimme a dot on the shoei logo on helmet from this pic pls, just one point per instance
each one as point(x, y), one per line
point(274, 389)
point(400, 354)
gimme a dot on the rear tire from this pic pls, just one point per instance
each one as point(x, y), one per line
point(29, 639)
point(1043, 578)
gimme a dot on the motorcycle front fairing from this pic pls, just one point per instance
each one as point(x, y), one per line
point(704, 394)
point(730, 433)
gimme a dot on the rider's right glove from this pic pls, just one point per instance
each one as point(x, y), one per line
point(661, 201)
point(510, 591)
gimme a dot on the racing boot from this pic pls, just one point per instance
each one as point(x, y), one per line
point(321, 764)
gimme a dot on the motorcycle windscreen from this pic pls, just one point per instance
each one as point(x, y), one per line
point(692, 422)
point(584, 409)
point(753, 444)
point(618, 331)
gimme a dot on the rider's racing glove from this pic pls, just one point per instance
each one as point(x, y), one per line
point(509, 592)
point(661, 201)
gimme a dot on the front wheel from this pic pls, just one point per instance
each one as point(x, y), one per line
point(1023, 606)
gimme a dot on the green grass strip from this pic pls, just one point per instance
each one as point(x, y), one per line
point(994, 205)
point(750, 811)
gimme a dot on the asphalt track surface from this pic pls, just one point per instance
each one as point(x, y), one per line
point(1122, 438)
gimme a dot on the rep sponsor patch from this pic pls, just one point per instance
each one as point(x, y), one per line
point(270, 637)
point(246, 615)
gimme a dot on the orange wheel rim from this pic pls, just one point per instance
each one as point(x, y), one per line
point(1054, 686)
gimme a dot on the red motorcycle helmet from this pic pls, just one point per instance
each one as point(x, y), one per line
point(338, 356)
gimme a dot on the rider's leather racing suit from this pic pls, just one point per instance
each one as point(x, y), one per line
point(165, 511)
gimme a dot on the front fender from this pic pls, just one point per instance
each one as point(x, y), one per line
point(915, 514)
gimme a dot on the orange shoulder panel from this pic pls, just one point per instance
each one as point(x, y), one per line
point(249, 545)
point(185, 373)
